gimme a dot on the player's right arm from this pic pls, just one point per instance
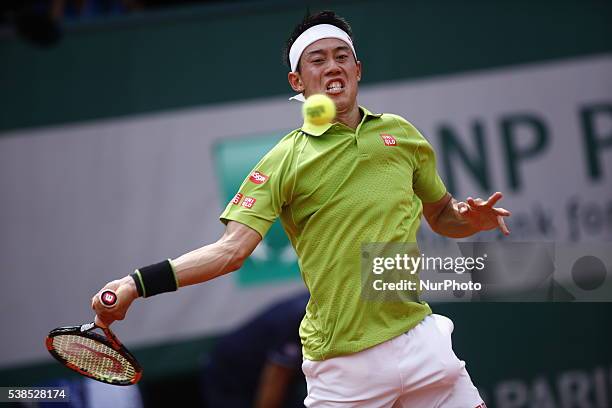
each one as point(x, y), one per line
point(225, 255)
point(248, 216)
point(203, 264)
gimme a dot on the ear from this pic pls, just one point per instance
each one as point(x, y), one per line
point(295, 81)
point(358, 71)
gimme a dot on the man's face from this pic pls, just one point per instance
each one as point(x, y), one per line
point(328, 67)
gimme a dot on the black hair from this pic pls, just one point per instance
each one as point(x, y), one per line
point(310, 20)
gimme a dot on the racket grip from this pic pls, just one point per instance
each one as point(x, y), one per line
point(108, 299)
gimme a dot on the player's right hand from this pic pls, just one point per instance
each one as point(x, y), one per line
point(125, 289)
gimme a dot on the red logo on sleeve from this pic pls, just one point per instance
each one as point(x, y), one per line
point(388, 139)
point(248, 202)
point(258, 177)
point(236, 199)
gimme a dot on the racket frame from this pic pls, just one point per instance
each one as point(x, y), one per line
point(86, 331)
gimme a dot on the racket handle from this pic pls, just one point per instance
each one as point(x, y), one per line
point(108, 298)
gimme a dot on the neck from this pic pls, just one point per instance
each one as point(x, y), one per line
point(351, 117)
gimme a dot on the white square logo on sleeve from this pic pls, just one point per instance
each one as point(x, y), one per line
point(248, 202)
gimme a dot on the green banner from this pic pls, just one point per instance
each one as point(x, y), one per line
point(274, 259)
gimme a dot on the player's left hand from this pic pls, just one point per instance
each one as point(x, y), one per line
point(482, 214)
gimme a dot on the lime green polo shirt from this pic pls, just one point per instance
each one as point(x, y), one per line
point(335, 189)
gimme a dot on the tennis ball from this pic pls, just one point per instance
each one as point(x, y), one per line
point(319, 109)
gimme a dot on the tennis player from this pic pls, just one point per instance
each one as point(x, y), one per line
point(366, 178)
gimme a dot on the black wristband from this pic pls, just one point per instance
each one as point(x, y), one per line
point(155, 279)
point(137, 280)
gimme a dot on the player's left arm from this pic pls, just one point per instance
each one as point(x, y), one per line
point(458, 219)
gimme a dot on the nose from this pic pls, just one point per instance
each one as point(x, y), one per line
point(332, 67)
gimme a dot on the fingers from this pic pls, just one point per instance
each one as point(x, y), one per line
point(502, 225)
point(95, 305)
point(106, 315)
point(502, 211)
point(462, 207)
point(495, 197)
point(475, 202)
point(100, 323)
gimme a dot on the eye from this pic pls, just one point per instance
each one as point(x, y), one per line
point(342, 57)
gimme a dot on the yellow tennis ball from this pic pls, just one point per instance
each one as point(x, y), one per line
point(319, 109)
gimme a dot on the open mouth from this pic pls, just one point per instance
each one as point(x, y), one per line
point(334, 87)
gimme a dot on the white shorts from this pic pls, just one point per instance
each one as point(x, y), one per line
point(417, 369)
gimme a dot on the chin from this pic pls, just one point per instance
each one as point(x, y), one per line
point(342, 102)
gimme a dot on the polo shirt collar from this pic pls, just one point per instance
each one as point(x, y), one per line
point(314, 130)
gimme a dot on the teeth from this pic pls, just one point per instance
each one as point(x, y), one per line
point(334, 86)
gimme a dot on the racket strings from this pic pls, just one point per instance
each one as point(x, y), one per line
point(96, 358)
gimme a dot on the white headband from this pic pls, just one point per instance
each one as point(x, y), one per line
point(315, 33)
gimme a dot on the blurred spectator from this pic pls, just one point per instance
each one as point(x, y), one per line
point(32, 20)
point(81, 9)
point(40, 21)
point(257, 364)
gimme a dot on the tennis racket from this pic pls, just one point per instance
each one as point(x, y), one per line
point(102, 358)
